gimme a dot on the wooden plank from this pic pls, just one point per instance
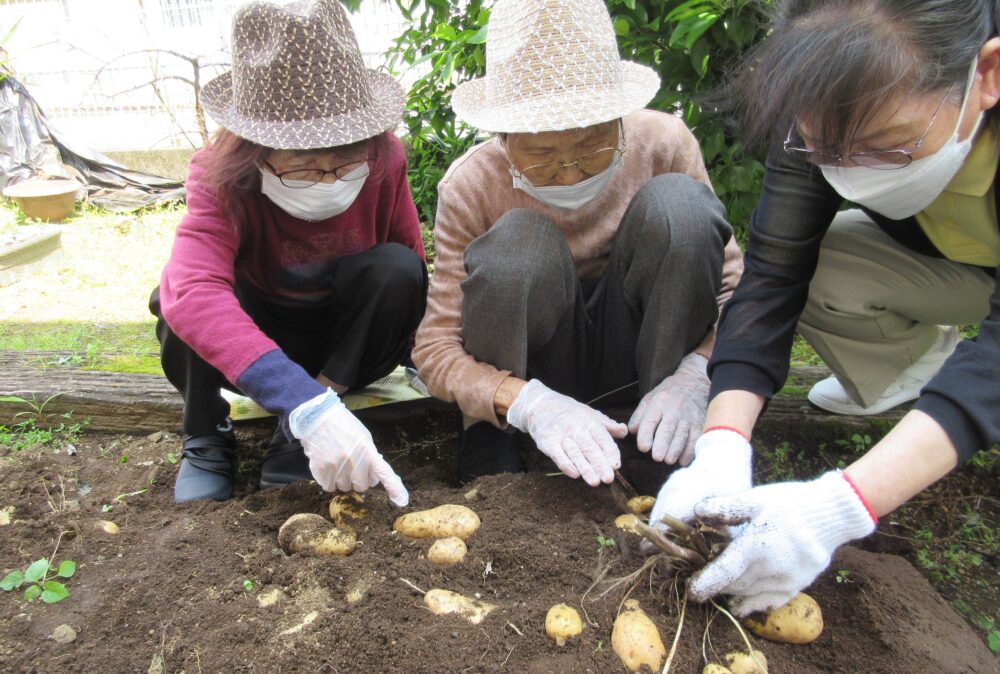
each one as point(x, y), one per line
point(114, 401)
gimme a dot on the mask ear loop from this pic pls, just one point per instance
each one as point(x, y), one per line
point(965, 100)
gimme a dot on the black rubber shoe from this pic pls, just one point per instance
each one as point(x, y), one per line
point(206, 471)
point(284, 462)
point(487, 450)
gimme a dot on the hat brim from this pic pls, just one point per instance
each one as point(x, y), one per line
point(384, 113)
point(559, 111)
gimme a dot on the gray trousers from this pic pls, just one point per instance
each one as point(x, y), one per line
point(875, 306)
point(526, 310)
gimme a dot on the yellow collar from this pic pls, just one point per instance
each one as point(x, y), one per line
point(976, 176)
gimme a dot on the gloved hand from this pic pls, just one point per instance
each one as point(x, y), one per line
point(721, 467)
point(342, 455)
point(575, 436)
point(669, 418)
point(791, 531)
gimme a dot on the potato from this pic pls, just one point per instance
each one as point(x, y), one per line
point(307, 531)
point(107, 527)
point(635, 639)
point(712, 668)
point(445, 601)
point(627, 522)
point(447, 551)
point(641, 504)
point(744, 663)
point(800, 621)
point(562, 623)
point(347, 507)
point(441, 522)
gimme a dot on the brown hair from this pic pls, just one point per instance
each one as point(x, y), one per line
point(233, 170)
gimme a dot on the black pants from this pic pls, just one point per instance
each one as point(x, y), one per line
point(360, 335)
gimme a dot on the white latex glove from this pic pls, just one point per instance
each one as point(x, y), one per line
point(721, 467)
point(669, 418)
point(341, 452)
point(578, 438)
point(791, 530)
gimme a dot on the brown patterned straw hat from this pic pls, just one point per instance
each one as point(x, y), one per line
point(552, 65)
point(298, 81)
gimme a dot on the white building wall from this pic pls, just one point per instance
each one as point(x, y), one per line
point(89, 63)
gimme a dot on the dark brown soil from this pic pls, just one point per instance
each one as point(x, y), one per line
point(167, 594)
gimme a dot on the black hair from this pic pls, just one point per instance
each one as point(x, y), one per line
point(836, 61)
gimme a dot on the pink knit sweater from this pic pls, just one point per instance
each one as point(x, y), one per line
point(477, 190)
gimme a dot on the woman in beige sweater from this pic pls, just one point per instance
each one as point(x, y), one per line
point(582, 246)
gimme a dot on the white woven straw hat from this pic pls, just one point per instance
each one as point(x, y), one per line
point(552, 65)
point(298, 81)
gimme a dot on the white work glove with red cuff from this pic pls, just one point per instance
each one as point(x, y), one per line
point(721, 467)
point(341, 452)
point(790, 532)
point(578, 438)
point(669, 418)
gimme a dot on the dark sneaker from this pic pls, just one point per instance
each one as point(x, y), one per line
point(206, 468)
point(487, 450)
point(284, 462)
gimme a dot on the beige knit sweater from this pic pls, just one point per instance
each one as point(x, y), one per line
point(478, 189)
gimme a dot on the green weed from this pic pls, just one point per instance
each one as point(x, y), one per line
point(39, 580)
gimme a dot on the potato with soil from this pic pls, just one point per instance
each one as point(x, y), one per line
point(627, 523)
point(712, 668)
point(641, 504)
point(746, 663)
point(441, 522)
point(562, 623)
point(307, 531)
point(447, 551)
point(636, 640)
point(800, 621)
point(345, 508)
point(442, 602)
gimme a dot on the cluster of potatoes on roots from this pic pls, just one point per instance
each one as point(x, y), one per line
point(636, 641)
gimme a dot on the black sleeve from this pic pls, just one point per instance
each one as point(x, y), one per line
point(964, 397)
point(758, 323)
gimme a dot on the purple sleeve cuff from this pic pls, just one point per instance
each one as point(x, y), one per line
point(279, 385)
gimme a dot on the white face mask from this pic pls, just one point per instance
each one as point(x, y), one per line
point(572, 196)
point(904, 192)
point(314, 202)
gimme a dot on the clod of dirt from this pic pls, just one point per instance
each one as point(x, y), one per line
point(270, 598)
point(64, 634)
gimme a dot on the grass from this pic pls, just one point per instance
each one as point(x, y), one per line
point(116, 347)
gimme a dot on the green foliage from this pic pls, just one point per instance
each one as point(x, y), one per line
point(248, 585)
point(858, 443)
point(449, 39)
point(692, 44)
point(33, 426)
point(40, 583)
point(994, 641)
point(605, 541)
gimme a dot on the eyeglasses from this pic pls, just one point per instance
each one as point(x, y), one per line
point(591, 163)
point(895, 158)
point(301, 178)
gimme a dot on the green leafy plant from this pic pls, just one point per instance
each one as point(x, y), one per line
point(248, 585)
point(448, 40)
point(605, 541)
point(843, 576)
point(34, 425)
point(39, 581)
point(858, 443)
point(993, 639)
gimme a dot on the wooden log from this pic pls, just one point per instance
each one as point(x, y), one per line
point(116, 401)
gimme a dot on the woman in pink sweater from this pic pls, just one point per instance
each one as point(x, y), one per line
point(298, 272)
point(580, 251)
